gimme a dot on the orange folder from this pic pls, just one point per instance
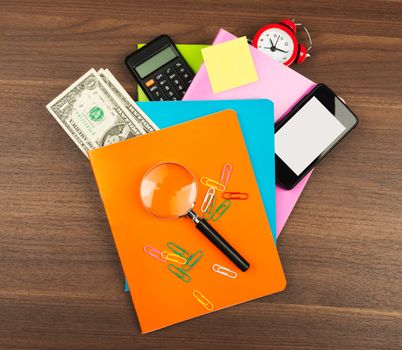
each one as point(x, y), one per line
point(203, 145)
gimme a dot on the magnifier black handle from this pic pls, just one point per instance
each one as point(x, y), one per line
point(222, 245)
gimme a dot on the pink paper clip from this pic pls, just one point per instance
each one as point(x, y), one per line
point(212, 183)
point(207, 199)
point(155, 253)
point(226, 171)
point(235, 195)
point(224, 271)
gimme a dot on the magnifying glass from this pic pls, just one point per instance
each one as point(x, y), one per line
point(169, 190)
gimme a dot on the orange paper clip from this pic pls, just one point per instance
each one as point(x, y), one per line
point(173, 257)
point(235, 195)
point(155, 253)
point(212, 183)
point(203, 300)
point(226, 171)
point(207, 199)
point(224, 271)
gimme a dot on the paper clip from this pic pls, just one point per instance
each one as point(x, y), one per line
point(175, 248)
point(222, 209)
point(226, 171)
point(179, 273)
point(208, 213)
point(235, 195)
point(173, 257)
point(212, 183)
point(224, 271)
point(193, 260)
point(207, 199)
point(155, 253)
point(203, 300)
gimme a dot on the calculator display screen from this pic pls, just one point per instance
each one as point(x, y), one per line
point(155, 62)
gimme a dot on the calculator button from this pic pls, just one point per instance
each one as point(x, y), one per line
point(170, 93)
point(180, 87)
point(168, 71)
point(176, 82)
point(166, 88)
point(157, 94)
point(149, 83)
point(172, 76)
point(181, 70)
point(162, 82)
point(154, 88)
point(185, 76)
point(178, 65)
point(159, 77)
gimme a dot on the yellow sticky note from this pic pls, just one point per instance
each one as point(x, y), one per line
point(229, 65)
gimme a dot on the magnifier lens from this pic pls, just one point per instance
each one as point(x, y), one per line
point(168, 190)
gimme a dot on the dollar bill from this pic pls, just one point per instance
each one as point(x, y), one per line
point(91, 115)
point(124, 98)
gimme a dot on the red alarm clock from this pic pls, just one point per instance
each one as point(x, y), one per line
point(279, 42)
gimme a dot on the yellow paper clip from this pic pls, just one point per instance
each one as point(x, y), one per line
point(212, 183)
point(192, 260)
point(179, 273)
point(226, 171)
point(222, 209)
point(175, 248)
point(173, 257)
point(207, 199)
point(203, 300)
point(224, 271)
point(235, 195)
point(155, 253)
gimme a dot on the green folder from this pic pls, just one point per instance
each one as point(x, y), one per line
point(192, 55)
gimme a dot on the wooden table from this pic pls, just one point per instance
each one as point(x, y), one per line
point(61, 283)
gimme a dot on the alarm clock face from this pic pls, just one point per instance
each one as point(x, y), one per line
point(277, 44)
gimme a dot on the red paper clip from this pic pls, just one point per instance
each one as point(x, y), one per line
point(235, 195)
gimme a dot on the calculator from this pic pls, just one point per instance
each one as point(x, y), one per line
point(160, 70)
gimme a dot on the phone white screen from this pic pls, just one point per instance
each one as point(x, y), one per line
point(306, 135)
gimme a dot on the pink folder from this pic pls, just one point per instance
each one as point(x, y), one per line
point(278, 83)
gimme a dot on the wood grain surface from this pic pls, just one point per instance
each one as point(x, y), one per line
point(61, 283)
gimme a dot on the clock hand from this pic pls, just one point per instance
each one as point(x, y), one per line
point(272, 44)
point(282, 50)
point(276, 41)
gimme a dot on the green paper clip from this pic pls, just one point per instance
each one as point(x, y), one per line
point(222, 209)
point(208, 213)
point(175, 248)
point(192, 260)
point(179, 273)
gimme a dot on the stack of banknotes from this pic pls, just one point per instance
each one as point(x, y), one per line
point(96, 111)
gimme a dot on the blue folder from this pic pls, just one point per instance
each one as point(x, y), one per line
point(256, 118)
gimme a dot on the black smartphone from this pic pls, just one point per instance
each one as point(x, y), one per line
point(317, 123)
point(160, 70)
